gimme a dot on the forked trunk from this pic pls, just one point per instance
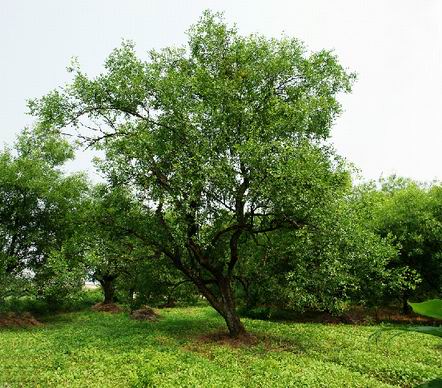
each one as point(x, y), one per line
point(225, 305)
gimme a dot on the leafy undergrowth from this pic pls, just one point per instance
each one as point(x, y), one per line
point(185, 349)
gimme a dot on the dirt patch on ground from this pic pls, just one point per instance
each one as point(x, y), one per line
point(18, 320)
point(359, 315)
point(145, 313)
point(107, 308)
point(202, 344)
point(223, 338)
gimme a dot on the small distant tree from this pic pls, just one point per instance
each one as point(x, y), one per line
point(110, 249)
point(409, 214)
point(156, 282)
point(222, 141)
point(119, 258)
point(40, 218)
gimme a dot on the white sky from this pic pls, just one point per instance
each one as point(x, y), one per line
point(392, 120)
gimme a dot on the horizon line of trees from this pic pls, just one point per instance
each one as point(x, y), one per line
point(378, 244)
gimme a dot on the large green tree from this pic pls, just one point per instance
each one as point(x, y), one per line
point(222, 141)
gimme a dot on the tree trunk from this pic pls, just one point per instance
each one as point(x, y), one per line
point(109, 290)
point(224, 303)
point(234, 324)
point(130, 295)
point(406, 309)
point(236, 328)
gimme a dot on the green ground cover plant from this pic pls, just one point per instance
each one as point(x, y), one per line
point(98, 349)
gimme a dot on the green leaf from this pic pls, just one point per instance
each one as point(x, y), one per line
point(436, 383)
point(431, 330)
point(430, 308)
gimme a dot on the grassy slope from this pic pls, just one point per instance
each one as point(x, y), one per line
point(97, 349)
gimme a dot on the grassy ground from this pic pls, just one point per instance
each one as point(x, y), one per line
point(102, 350)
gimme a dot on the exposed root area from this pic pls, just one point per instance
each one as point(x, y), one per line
point(107, 308)
point(223, 338)
point(203, 344)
